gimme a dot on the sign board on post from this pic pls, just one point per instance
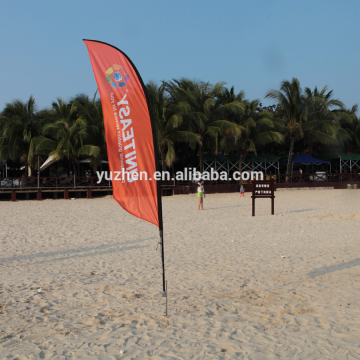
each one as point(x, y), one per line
point(263, 189)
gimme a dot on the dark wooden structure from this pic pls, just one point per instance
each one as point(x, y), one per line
point(67, 187)
point(263, 189)
point(88, 186)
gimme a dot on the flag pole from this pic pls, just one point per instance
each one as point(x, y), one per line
point(157, 163)
point(161, 228)
point(157, 166)
point(158, 182)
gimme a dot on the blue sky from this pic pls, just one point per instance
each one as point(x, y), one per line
point(252, 45)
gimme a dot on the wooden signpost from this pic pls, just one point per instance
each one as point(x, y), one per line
point(263, 189)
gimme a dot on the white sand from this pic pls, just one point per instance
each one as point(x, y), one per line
point(81, 279)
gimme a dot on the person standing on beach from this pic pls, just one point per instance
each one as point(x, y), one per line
point(242, 191)
point(201, 195)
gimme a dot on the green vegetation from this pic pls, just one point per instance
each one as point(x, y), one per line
point(192, 118)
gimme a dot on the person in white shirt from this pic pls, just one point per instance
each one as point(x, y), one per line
point(201, 195)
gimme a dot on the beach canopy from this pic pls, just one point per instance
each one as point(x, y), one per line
point(339, 156)
point(349, 156)
point(87, 161)
point(305, 159)
point(50, 160)
point(328, 156)
point(219, 158)
point(261, 158)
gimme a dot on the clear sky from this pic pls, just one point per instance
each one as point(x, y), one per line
point(253, 45)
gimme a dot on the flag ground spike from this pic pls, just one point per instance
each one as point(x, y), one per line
point(166, 301)
point(163, 260)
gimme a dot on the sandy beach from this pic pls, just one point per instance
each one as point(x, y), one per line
point(81, 279)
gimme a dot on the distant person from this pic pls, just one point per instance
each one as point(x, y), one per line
point(300, 172)
point(242, 190)
point(201, 195)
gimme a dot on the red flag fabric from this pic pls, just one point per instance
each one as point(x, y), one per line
point(129, 132)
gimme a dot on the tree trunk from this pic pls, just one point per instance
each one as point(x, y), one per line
point(74, 168)
point(292, 141)
point(163, 159)
point(241, 157)
point(311, 148)
point(200, 158)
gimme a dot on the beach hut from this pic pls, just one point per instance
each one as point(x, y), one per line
point(349, 163)
point(343, 163)
point(266, 163)
point(306, 159)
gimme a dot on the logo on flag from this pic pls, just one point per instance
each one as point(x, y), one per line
point(115, 77)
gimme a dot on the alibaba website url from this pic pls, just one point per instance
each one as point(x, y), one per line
point(189, 174)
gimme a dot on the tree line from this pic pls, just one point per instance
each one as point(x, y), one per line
point(192, 118)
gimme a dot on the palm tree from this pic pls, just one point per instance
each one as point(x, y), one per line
point(351, 125)
point(323, 123)
point(20, 124)
point(354, 132)
point(91, 110)
point(228, 96)
point(258, 129)
point(167, 119)
point(66, 137)
point(205, 117)
point(295, 107)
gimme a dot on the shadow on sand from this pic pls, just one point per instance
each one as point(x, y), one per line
point(225, 207)
point(78, 252)
point(328, 269)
